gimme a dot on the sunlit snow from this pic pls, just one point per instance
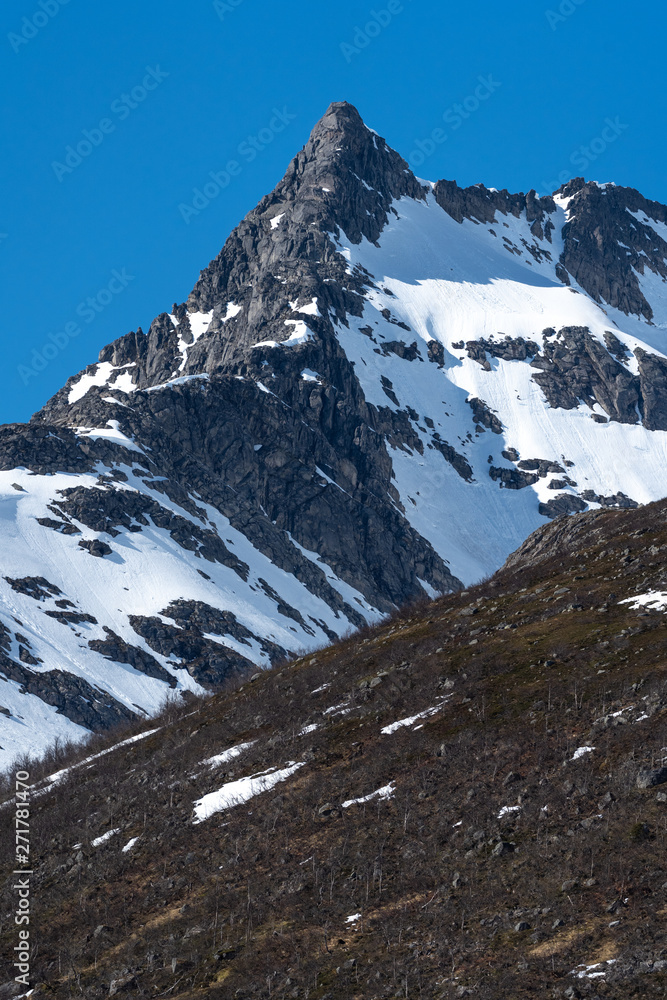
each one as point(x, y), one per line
point(235, 793)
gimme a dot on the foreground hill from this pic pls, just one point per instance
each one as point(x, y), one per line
point(466, 800)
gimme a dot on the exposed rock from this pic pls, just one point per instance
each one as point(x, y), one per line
point(72, 696)
point(605, 247)
point(115, 648)
point(502, 848)
point(436, 352)
point(400, 349)
point(96, 547)
point(564, 503)
point(653, 383)
point(107, 510)
point(64, 527)
point(509, 349)
point(122, 984)
point(482, 414)
point(541, 466)
point(512, 479)
point(483, 204)
point(34, 586)
point(71, 617)
point(210, 662)
point(617, 500)
point(575, 367)
point(650, 777)
point(614, 346)
point(455, 459)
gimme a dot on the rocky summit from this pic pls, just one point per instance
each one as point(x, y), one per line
point(376, 391)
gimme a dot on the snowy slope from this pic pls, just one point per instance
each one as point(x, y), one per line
point(145, 573)
point(452, 283)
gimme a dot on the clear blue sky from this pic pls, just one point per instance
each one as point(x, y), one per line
point(183, 85)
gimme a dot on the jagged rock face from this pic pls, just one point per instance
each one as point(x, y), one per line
point(577, 367)
point(478, 202)
point(375, 391)
point(606, 243)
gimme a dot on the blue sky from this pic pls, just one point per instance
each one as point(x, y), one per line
point(94, 245)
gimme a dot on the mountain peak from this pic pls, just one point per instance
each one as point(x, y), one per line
point(374, 392)
point(343, 123)
point(341, 114)
point(346, 176)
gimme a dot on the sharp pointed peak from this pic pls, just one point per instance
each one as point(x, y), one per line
point(344, 119)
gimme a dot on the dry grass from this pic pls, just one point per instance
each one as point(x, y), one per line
point(254, 901)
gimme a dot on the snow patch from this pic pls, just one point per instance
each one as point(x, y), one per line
point(654, 600)
point(386, 792)
point(581, 751)
point(235, 793)
point(393, 726)
point(227, 755)
point(100, 376)
point(105, 836)
point(111, 432)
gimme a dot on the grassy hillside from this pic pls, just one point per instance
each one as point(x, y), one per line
point(504, 846)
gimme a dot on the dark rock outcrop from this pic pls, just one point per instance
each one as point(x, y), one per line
point(481, 203)
point(512, 479)
point(72, 696)
point(509, 349)
point(115, 648)
point(605, 245)
point(564, 503)
point(484, 416)
point(575, 367)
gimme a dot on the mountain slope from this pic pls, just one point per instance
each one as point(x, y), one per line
point(466, 800)
point(376, 391)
